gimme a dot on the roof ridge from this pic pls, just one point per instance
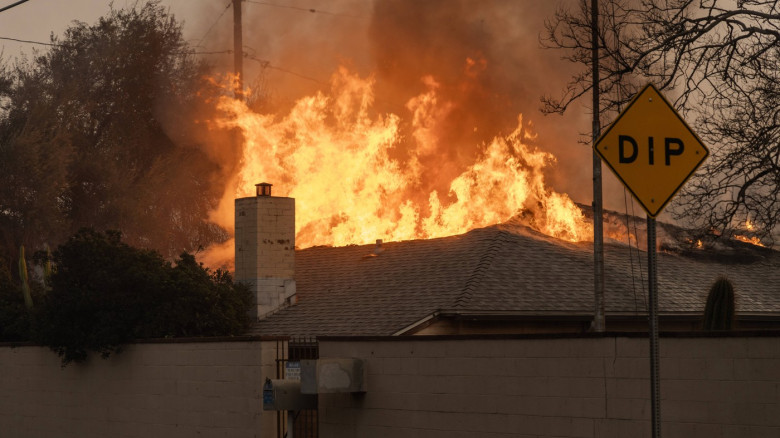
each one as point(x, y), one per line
point(481, 269)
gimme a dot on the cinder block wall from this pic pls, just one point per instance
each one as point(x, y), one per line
point(199, 389)
point(572, 387)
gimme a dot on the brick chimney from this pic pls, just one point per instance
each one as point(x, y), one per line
point(265, 249)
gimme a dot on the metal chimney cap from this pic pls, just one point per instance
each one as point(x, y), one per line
point(263, 189)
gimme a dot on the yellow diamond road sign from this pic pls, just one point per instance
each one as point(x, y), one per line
point(651, 150)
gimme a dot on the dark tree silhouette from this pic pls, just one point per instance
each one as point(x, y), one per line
point(100, 131)
point(105, 293)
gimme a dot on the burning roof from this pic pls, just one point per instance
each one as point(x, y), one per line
point(499, 270)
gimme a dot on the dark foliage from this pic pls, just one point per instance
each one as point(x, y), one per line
point(106, 293)
point(101, 131)
point(15, 319)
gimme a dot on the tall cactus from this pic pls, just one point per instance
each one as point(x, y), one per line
point(25, 280)
point(719, 311)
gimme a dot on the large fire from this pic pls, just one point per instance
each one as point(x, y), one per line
point(352, 186)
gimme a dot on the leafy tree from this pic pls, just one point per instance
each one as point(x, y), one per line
point(720, 60)
point(101, 131)
point(105, 293)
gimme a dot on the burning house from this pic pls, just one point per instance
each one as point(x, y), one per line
point(429, 158)
point(506, 278)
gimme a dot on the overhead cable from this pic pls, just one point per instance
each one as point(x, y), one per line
point(311, 10)
point(213, 24)
point(11, 6)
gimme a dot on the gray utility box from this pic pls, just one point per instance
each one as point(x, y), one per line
point(285, 395)
point(324, 376)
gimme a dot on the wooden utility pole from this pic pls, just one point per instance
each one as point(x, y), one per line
point(598, 215)
point(238, 50)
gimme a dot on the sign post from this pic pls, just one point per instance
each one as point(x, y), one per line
point(655, 377)
point(653, 152)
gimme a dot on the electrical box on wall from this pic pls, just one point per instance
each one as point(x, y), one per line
point(285, 395)
point(323, 376)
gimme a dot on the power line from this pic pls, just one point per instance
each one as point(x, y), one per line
point(213, 24)
point(183, 52)
point(311, 10)
point(33, 42)
point(263, 63)
point(267, 64)
point(216, 52)
point(11, 6)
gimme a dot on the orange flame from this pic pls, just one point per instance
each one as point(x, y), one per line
point(342, 166)
point(698, 244)
point(750, 226)
point(751, 240)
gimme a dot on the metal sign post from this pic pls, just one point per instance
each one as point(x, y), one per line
point(655, 378)
point(653, 152)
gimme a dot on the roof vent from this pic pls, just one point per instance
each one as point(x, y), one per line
point(263, 189)
point(378, 249)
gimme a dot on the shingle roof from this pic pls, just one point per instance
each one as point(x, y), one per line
point(502, 269)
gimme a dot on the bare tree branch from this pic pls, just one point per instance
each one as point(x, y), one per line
point(719, 59)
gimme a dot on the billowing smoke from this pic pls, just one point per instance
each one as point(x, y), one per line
point(480, 59)
point(484, 55)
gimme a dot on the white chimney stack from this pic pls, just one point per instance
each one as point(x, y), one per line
point(265, 249)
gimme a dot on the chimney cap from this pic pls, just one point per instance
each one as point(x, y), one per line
point(263, 189)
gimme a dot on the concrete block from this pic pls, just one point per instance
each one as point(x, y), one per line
point(721, 412)
point(618, 428)
point(766, 369)
point(629, 388)
point(589, 348)
point(764, 432)
point(628, 409)
point(691, 430)
point(576, 387)
point(685, 390)
point(572, 367)
point(633, 368)
point(686, 411)
point(632, 347)
point(763, 347)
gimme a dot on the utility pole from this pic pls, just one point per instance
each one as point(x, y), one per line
point(598, 212)
point(238, 50)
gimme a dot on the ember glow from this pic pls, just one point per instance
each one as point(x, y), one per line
point(353, 184)
point(753, 240)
